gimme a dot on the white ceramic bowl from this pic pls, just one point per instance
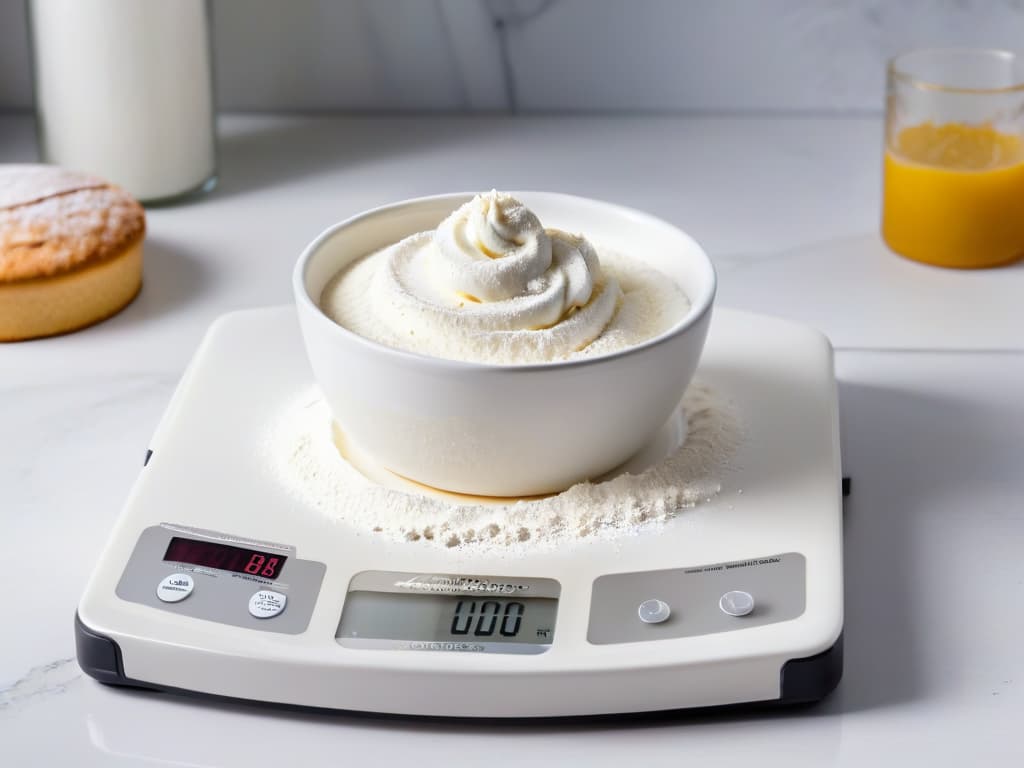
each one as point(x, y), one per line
point(500, 430)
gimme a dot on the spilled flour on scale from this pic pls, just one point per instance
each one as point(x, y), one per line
point(307, 462)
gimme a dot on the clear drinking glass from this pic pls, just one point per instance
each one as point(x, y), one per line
point(953, 191)
point(124, 89)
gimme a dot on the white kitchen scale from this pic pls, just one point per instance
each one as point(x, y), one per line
point(216, 581)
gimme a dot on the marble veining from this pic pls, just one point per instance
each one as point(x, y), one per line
point(506, 18)
point(50, 679)
point(564, 55)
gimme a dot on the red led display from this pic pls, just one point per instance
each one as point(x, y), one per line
point(225, 557)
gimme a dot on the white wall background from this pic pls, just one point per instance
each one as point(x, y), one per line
point(553, 55)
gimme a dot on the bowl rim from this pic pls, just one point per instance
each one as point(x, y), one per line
point(699, 306)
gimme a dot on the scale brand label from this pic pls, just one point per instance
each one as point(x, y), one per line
point(773, 560)
point(459, 584)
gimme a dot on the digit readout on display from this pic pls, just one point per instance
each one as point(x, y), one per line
point(225, 557)
point(483, 618)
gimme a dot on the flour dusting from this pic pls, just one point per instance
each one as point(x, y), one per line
point(307, 462)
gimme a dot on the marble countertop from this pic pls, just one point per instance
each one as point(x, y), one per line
point(930, 365)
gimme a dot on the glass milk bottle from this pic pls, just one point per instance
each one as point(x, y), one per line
point(124, 90)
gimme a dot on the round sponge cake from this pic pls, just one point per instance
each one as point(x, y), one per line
point(70, 250)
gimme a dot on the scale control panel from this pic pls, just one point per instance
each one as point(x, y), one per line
point(222, 578)
point(267, 587)
point(700, 600)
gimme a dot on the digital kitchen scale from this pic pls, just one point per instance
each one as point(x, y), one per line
point(216, 581)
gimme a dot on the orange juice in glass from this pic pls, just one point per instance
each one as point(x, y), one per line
point(953, 192)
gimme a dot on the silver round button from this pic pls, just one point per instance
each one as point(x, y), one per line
point(266, 604)
point(737, 603)
point(653, 611)
point(175, 588)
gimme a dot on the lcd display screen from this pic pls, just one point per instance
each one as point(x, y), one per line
point(448, 618)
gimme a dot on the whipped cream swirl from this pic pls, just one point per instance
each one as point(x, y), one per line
point(492, 282)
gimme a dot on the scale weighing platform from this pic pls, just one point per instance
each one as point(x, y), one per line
point(215, 581)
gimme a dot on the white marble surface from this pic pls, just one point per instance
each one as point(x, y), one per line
point(932, 436)
point(662, 55)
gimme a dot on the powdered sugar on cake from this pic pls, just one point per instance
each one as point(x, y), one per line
point(53, 221)
point(21, 184)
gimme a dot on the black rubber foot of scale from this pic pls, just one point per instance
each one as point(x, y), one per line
point(803, 681)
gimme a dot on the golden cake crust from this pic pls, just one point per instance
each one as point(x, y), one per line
point(54, 222)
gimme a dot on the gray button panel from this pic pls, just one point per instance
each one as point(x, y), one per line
point(775, 582)
point(221, 596)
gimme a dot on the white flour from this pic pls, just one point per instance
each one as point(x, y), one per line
point(306, 461)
